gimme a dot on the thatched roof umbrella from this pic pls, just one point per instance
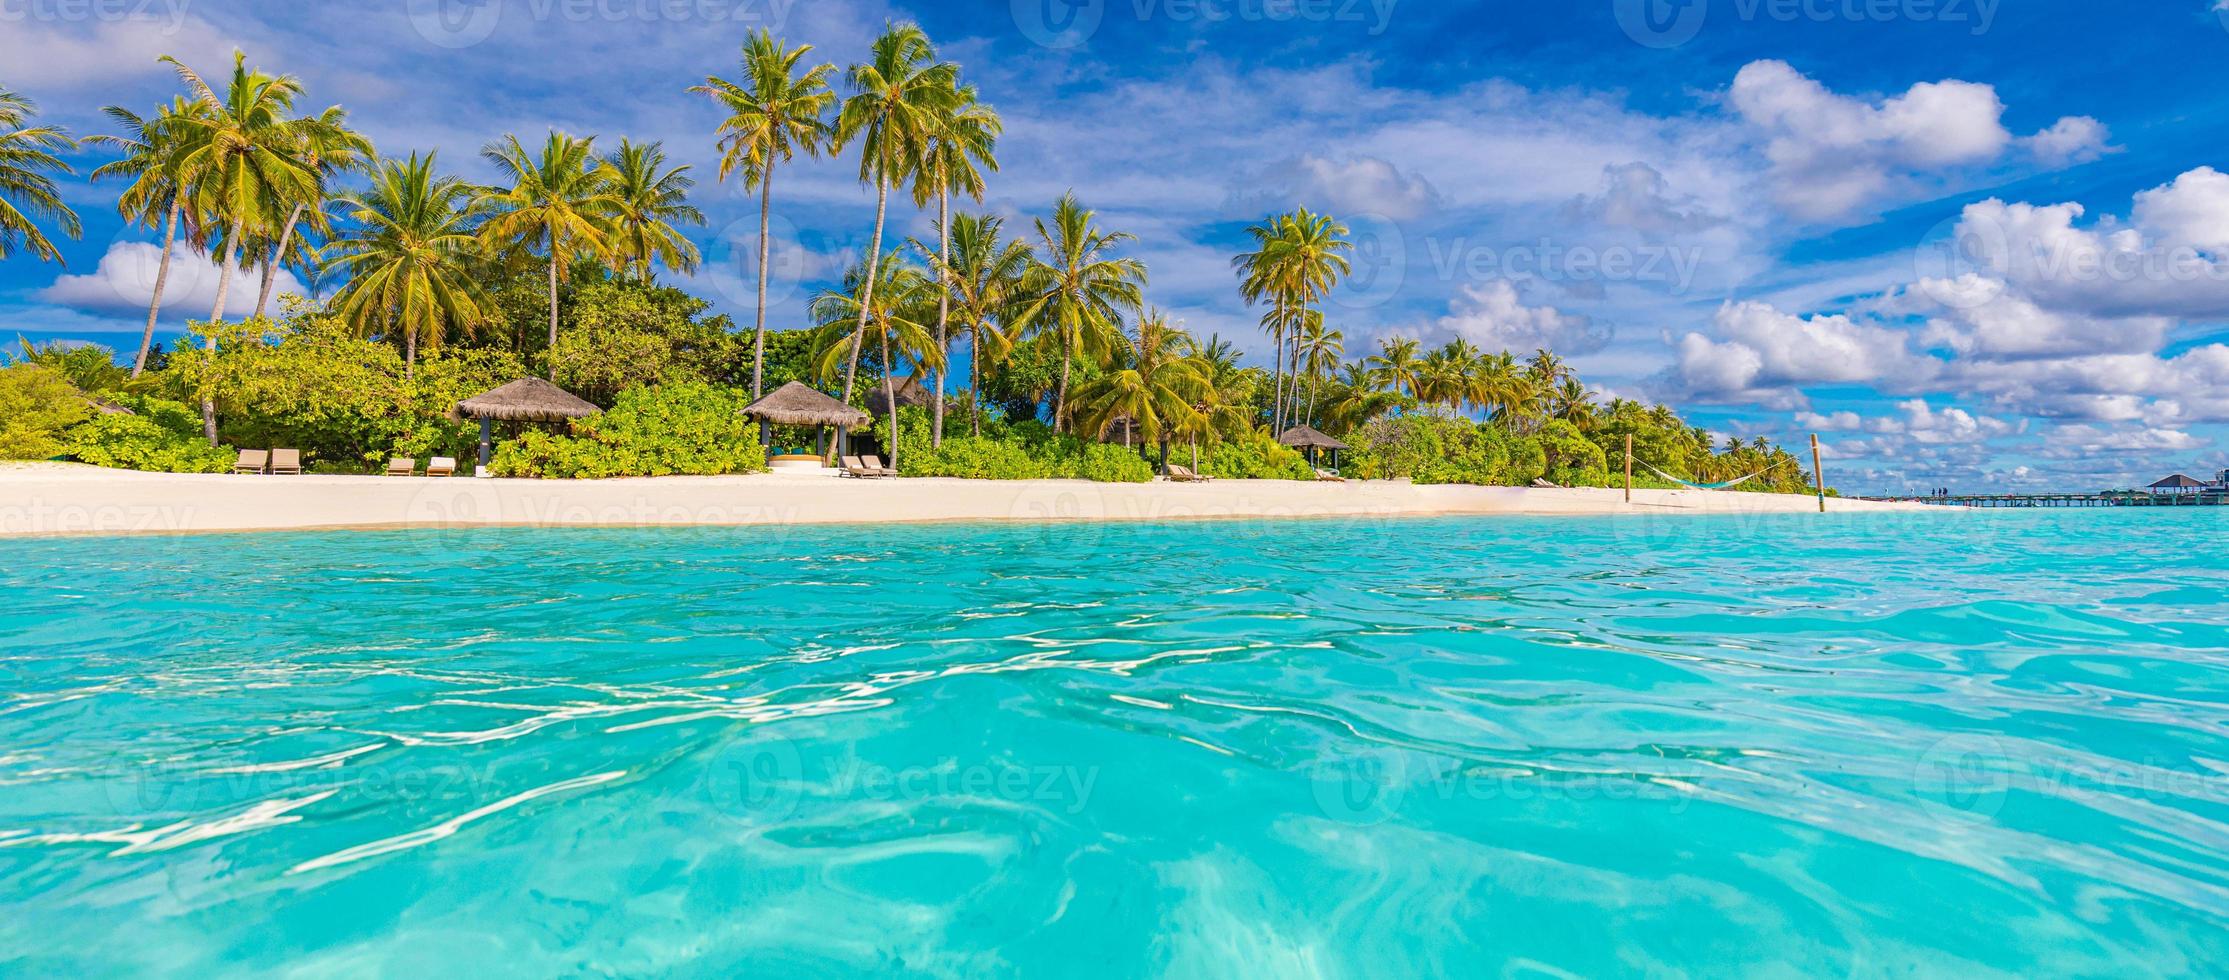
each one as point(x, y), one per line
point(1307, 439)
point(524, 400)
point(909, 393)
point(799, 404)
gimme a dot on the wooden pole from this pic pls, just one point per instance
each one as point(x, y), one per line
point(1629, 467)
point(1818, 475)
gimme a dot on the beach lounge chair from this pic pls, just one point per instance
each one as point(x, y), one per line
point(441, 466)
point(1545, 485)
point(401, 466)
point(854, 468)
point(252, 461)
point(1326, 476)
point(1184, 474)
point(286, 462)
point(875, 463)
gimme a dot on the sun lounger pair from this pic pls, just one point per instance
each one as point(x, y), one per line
point(866, 467)
point(437, 466)
point(1326, 476)
point(1184, 474)
point(277, 462)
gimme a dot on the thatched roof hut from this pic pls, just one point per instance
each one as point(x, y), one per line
point(1307, 437)
point(526, 400)
point(797, 404)
point(909, 391)
point(2177, 482)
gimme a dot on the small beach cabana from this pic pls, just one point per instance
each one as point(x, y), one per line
point(524, 400)
point(1308, 440)
point(799, 404)
point(2177, 484)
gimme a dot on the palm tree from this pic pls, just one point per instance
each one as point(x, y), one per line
point(1359, 398)
point(1155, 387)
point(1320, 351)
point(1573, 403)
point(649, 201)
point(240, 166)
point(1395, 364)
point(982, 277)
point(330, 149)
point(556, 203)
point(27, 157)
point(410, 257)
point(774, 115)
point(1261, 275)
point(962, 134)
point(1080, 289)
point(898, 93)
point(151, 148)
point(1313, 258)
point(891, 312)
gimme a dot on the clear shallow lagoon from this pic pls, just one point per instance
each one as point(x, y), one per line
point(1936, 743)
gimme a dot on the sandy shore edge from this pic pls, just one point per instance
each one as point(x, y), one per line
point(39, 499)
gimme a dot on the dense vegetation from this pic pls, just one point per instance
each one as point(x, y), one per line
point(442, 288)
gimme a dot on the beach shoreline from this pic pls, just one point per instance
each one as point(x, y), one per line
point(60, 499)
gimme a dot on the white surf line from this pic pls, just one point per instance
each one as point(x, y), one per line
point(416, 838)
point(264, 815)
point(326, 761)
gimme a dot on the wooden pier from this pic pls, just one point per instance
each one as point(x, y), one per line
point(2136, 498)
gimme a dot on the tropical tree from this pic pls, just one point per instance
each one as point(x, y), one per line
point(1320, 351)
point(1261, 275)
point(648, 200)
point(898, 94)
point(982, 280)
point(330, 149)
point(1156, 385)
point(1395, 364)
point(557, 204)
point(1313, 258)
point(241, 166)
point(151, 149)
point(962, 135)
point(890, 305)
point(1080, 289)
point(28, 155)
point(409, 257)
point(773, 115)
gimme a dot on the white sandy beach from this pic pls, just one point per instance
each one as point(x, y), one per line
point(57, 498)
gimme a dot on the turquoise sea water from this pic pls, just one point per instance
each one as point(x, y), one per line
point(1935, 744)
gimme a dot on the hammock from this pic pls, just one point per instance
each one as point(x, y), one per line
point(1728, 485)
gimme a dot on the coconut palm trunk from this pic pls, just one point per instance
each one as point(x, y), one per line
point(216, 318)
point(890, 398)
point(271, 268)
point(943, 311)
point(551, 354)
point(1071, 344)
point(758, 345)
point(975, 381)
point(1277, 362)
point(162, 277)
point(867, 290)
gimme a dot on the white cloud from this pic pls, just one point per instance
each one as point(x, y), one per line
point(2192, 211)
point(73, 57)
point(2172, 260)
point(2068, 441)
point(1634, 195)
point(1493, 316)
point(125, 283)
point(1832, 155)
point(1762, 354)
point(1354, 185)
point(2074, 139)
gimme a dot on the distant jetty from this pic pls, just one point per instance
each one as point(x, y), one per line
point(2179, 490)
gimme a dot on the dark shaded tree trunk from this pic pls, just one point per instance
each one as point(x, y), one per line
point(162, 277)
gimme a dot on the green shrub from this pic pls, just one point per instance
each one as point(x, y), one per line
point(1113, 464)
point(969, 458)
point(147, 441)
point(1254, 456)
point(688, 429)
point(36, 405)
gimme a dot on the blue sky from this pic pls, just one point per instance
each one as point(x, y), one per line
point(1970, 242)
